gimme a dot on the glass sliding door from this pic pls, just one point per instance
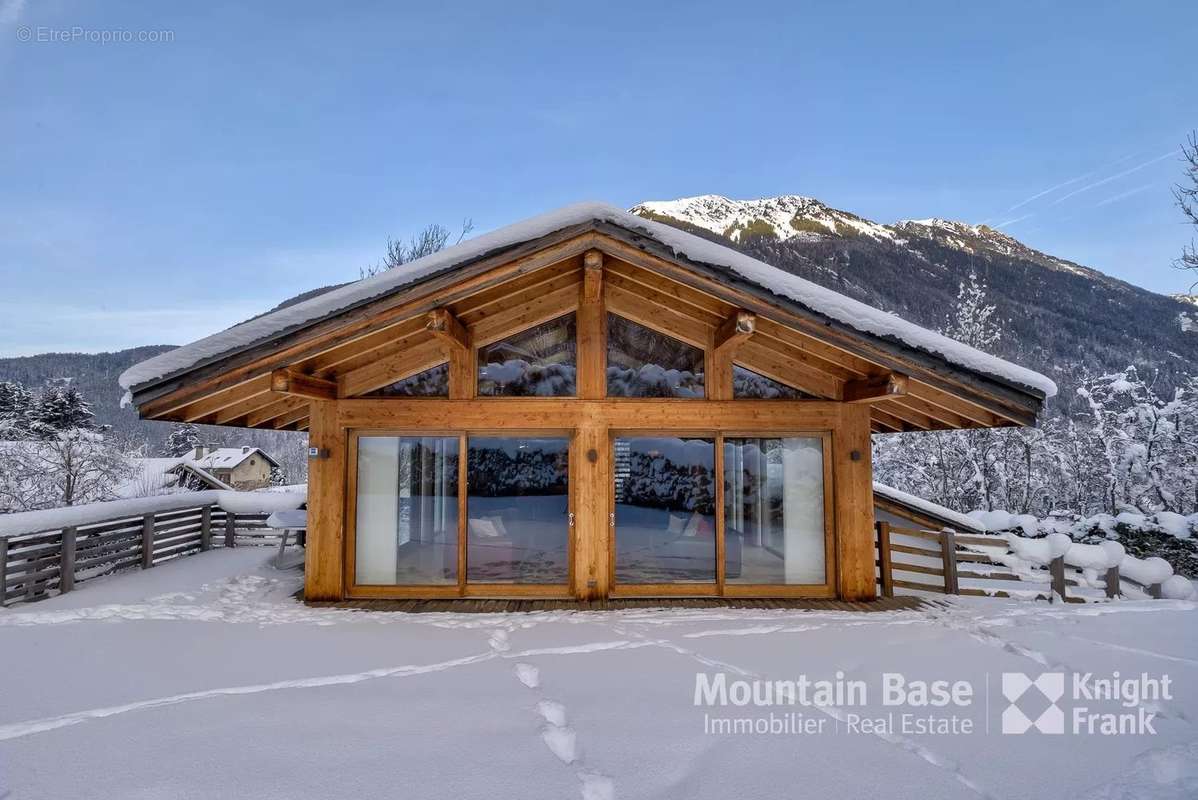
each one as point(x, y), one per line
point(665, 510)
point(406, 523)
point(774, 528)
point(518, 510)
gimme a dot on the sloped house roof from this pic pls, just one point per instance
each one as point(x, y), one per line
point(826, 343)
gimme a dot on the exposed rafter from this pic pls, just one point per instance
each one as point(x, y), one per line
point(875, 388)
point(735, 331)
point(446, 327)
point(297, 384)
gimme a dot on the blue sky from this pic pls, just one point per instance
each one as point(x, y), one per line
point(154, 192)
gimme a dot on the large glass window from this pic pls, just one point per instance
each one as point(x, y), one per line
point(750, 385)
point(774, 511)
point(644, 363)
point(407, 510)
point(518, 510)
point(432, 382)
point(538, 362)
point(665, 510)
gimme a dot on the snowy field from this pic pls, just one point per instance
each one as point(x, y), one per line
point(203, 678)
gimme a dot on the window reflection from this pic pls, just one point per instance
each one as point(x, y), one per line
point(538, 362)
point(518, 510)
point(665, 510)
point(644, 363)
point(750, 385)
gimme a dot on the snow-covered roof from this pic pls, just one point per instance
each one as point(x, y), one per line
point(153, 476)
point(918, 504)
point(230, 457)
point(845, 310)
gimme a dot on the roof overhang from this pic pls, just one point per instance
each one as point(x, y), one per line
point(254, 357)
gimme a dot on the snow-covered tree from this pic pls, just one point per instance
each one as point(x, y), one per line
point(16, 411)
point(183, 439)
point(60, 408)
point(69, 468)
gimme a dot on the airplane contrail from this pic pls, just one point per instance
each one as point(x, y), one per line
point(1049, 190)
point(1115, 177)
point(1121, 195)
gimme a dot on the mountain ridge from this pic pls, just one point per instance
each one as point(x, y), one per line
point(1063, 319)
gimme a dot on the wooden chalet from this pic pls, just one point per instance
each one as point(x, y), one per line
point(586, 405)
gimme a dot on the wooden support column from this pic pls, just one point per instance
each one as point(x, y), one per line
point(461, 354)
point(725, 340)
point(324, 568)
point(591, 473)
point(592, 330)
point(852, 470)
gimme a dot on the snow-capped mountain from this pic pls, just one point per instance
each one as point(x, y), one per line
point(793, 216)
point(782, 217)
point(1062, 318)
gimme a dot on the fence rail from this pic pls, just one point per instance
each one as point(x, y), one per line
point(939, 560)
point(34, 566)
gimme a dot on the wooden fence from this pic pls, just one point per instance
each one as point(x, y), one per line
point(937, 561)
point(33, 566)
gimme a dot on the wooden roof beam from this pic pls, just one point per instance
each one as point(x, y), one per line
point(875, 388)
point(297, 384)
point(592, 276)
point(734, 332)
point(446, 327)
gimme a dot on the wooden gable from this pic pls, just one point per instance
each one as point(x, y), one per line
point(446, 318)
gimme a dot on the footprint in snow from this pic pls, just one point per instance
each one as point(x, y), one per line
point(529, 675)
point(499, 642)
point(596, 786)
point(558, 736)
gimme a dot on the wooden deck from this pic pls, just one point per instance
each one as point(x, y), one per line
point(477, 606)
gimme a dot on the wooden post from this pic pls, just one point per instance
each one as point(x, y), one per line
point(725, 339)
point(324, 568)
point(948, 551)
point(885, 569)
point(1154, 591)
point(147, 541)
point(591, 320)
point(591, 476)
point(1112, 582)
point(205, 528)
point(3, 569)
point(854, 504)
point(230, 529)
point(1056, 569)
point(66, 563)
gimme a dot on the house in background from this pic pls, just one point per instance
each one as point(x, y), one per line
point(243, 468)
point(587, 404)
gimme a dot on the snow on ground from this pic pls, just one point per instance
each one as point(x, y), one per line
point(203, 678)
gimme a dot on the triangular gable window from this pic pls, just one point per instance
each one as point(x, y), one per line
point(750, 385)
point(644, 363)
point(538, 362)
point(432, 382)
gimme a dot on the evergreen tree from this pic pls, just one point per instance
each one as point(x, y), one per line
point(183, 439)
point(61, 409)
point(16, 408)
